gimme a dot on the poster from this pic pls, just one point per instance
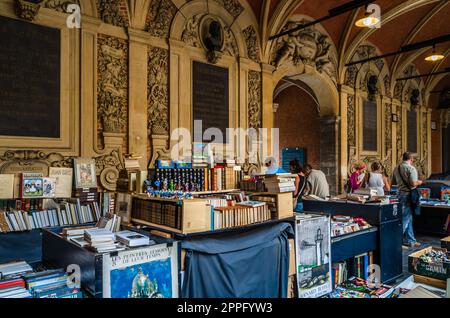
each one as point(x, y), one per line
point(313, 255)
point(85, 175)
point(147, 272)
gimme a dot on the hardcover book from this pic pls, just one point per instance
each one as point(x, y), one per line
point(64, 181)
point(85, 174)
point(6, 186)
point(32, 185)
point(49, 187)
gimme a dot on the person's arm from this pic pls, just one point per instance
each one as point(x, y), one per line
point(387, 186)
point(297, 186)
point(414, 179)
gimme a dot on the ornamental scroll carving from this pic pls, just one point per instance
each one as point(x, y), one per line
point(160, 17)
point(351, 120)
point(251, 42)
point(113, 12)
point(112, 88)
point(190, 34)
point(158, 91)
point(60, 5)
point(232, 6)
point(254, 99)
point(305, 47)
point(108, 167)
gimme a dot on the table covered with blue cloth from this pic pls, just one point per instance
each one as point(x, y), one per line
point(249, 264)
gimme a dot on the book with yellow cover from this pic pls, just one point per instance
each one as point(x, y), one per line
point(64, 181)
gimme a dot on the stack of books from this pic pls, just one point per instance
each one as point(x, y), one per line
point(101, 240)
point(52, 284)
point(13, 288)
point(85, 195)
point(133, 239)
point(280, 182)
point(342, 224)
point(244, 213)
point(271, 204)
point(111, 223)
point(14, 269)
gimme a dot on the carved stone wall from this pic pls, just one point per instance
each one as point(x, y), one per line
point(112, 84)
point(399, 135)
point(113, 12)
point(158, 91)
point(388, 137)
point(232, 6)
point(254, 100)
point(60, 5)
point(251, 42)
point(160, 17)
point(351, 137)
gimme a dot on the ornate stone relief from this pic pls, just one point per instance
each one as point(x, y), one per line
point(251, 41)
point(113, 12)
point(60, 5)
point(190, 34)
point(350, 76)
point(351, 120)
point(379, 64)
point(232, 6)
point(229, 45)
point(399, 134)
point(160, 17)
point(112, 88)
point(158, 91)
point(308, 47)
point(249, 168)
point(388, 128)
point(254, 99)
point(27, 9)
point(108, 167)
point(398, 90)
point(387, 86)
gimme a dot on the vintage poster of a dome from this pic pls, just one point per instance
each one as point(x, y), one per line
point(149, 272)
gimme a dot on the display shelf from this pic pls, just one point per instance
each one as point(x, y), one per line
point(432, 219)
point(349, 245)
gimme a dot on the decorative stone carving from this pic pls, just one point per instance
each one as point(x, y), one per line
point(112, 88)
point(399, 134)
point(388, 128)
point(232, 6)
point(110, 12)
point(251, 41)
point(229, 43)
point(387, 86)
point(351, 120)
point(190, 34)
point(352, 159)
point(17, 161)
point(308, 47)
point(254, 99)
point(249, 168)
point(379, 64)
point(350, 76)
point(27, 9)
point(398, 90)
point(159, 149)
point(108, 167)
point(160, 17)
point(158, 91)
point(60, 5)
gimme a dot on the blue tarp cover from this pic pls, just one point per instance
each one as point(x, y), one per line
point(251, 264)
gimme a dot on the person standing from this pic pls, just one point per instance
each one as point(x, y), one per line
point(317, 182)
point(300, 184)
point(375, 179)
point(357, 177)
point(405, 176)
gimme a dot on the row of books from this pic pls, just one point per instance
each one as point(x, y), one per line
point(223, 200)
point(282, 182)
point(242, 214)
point(270, 201)
point(58, 214)
point(357, 266)
point(356, 287)
point(164, 213)
point(342, 224)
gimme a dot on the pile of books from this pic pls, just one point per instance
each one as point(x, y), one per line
point(359, 288)
point(271, 203)
point(111, 223)
point(280, 182)
point(342, 224)
point(133, 239)
point(68, 212)
point(13, 288)
point(52, 284)
point(14, 269)
point(244, 213)
point(101, 240)
point(86, 195)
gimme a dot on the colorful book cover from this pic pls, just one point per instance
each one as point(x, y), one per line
point(85, 173)
point(49, 187)
point(32, 185)
point(445, 194)
point(425, 193)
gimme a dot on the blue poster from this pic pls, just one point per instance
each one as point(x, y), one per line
point(149, 272)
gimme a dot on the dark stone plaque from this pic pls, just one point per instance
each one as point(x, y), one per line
point(370, 125)
point(29, 79)
point(210, 96)
point(411, 128)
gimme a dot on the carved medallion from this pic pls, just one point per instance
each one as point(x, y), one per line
point(112, 87)
point(158, 91)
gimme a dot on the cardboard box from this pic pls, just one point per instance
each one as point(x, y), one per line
point(435, 270)
point(445, 243)
point(292, 262)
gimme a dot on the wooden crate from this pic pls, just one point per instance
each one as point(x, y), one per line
point(195, 215)
point(436, 271)
point(284, 203)
point(442, 284)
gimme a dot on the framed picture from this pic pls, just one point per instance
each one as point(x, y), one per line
point(85, 175)
point(148, 272)
point(433, 125)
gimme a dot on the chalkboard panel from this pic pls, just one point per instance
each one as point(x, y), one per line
point(412, 131)
point(370, 125)
point(29, 79)
point(210, 97)
point(289, 154)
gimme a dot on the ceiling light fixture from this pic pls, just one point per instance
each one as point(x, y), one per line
point(434, 57)
point(368, 21)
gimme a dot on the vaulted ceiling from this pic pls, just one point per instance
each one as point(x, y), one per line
point(403, 22)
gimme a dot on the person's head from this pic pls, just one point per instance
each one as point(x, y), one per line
point(295, 166)
point(360, 167)
point(408, 157)
point(307, 169)
point(375, 167)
